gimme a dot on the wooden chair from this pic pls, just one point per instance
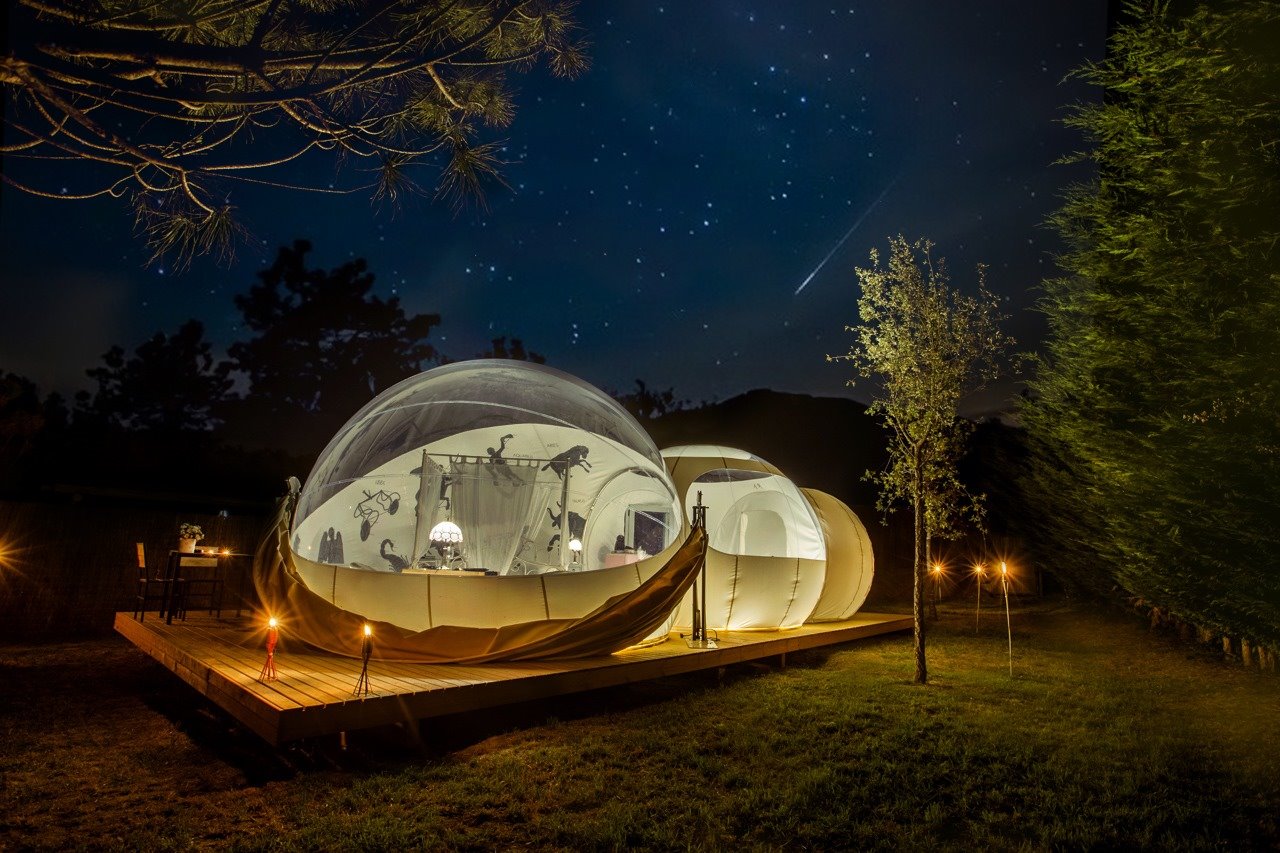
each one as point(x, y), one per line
point(151, 587)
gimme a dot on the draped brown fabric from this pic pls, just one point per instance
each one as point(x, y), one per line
point(621, 621)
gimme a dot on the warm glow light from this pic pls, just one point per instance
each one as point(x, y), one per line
point(978, 569)
point(937, 568)
point(575, 546)
point(1004, 570)
point(272, 623)
point(446, 532)
point(226, 550)
point(368, 631)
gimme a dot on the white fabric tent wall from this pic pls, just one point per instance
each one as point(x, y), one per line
point(778, 582)
point(417, 602)
point(850, 561)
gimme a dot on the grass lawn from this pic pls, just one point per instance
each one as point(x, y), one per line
point(1106, 736)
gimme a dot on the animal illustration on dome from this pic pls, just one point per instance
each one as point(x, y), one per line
point(397, 562)
point(371, 508)
point(575, 456)
point(577, 525)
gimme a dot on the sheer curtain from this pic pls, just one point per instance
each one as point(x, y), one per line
point(428, 508)
point(492, 504)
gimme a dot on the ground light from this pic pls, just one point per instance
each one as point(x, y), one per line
point(1008, 624)
point(366, 648)
point(273, 636)
point(978, 572)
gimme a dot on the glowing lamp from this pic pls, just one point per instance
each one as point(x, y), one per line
point(1004, 570)
point(273, 623)
point(937, 568)
point(576, 547)
point(368, 631)
point(446, 533)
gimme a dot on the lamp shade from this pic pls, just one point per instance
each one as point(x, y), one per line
point(446, 532)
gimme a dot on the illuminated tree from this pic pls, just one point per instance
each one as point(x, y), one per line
point(1155, 418)
point(926, 346)
point(176, 103)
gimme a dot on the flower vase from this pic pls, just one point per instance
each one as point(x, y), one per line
point(187, 546)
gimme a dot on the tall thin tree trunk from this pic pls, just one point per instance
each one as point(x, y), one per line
point(920, 567)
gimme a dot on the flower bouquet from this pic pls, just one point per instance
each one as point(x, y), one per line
point(188, 535)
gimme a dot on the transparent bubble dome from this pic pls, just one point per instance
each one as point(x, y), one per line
point(525, 461)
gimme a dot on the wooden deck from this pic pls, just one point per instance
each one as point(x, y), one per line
point(222, 658)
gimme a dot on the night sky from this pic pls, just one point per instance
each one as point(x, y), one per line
point(665, 207)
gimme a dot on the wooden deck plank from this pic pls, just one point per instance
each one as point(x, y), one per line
point(221, 658)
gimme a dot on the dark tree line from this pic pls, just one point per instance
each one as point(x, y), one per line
point(320, 345)
point(1154, 424)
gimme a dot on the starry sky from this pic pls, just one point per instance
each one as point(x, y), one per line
point(665, 207)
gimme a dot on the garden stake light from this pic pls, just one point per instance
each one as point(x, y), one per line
point(366, 648)
point(1004, 582)
point(937, 588)
point(273, 636)
point(977, 572)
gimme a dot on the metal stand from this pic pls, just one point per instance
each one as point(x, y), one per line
point(698, 638)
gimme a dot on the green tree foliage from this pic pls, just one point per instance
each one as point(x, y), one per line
point(927, 345)
point(171, 384)
point(176, 103)
point(322, 347)
point(1156, 415)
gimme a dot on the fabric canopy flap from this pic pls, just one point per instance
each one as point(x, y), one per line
point(622, 620)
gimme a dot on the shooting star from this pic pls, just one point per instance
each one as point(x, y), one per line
point(846, 236)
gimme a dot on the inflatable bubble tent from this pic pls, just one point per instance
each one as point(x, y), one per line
point(778, 556)
point(535, 470)
point(495, 509)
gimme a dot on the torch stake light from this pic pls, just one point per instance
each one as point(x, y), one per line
point(273, 636)
point(977, 617)
point(1008, 624)
point(937, 588)
point(366, 648)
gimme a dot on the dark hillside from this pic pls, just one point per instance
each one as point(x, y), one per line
point(822, 443)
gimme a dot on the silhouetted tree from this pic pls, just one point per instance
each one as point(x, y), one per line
point(171, 384)
point(21, 414)
point(501, 348)
point(323, 346)
point(170, 100)
point(1155, 424)
point(647, 403)
point(927, 345)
